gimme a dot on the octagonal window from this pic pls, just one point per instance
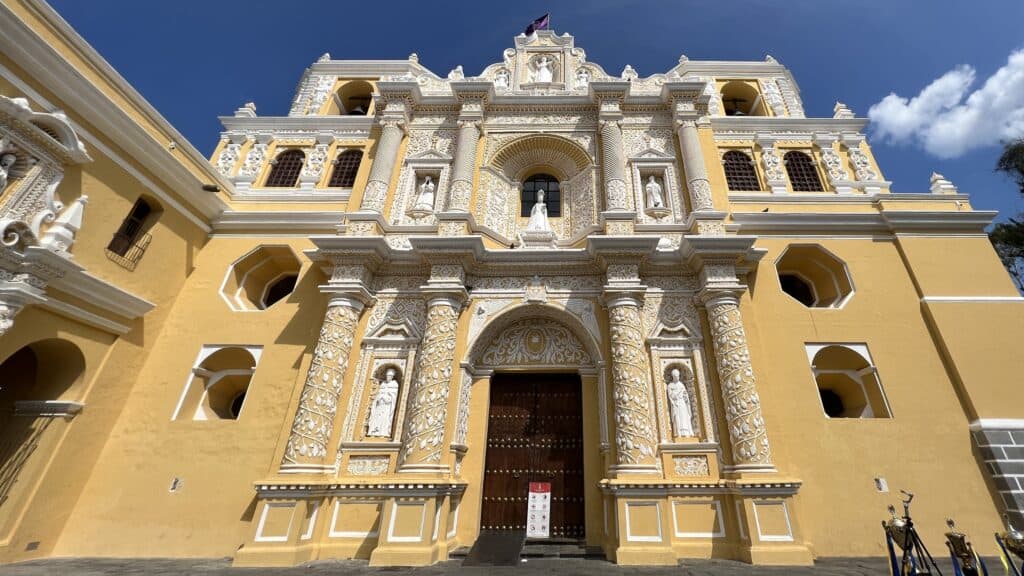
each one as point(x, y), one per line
point(814, 276)
point(261, 278)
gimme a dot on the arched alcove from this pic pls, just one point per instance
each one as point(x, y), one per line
point(35, 383)
point(218, 385)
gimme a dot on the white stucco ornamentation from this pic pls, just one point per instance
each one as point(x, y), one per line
point(228, 158)
point(691, 465)
point(428, 395)
point(367, 465)
point(772, 163)
point(254, 160)
point(773, 96)
point(634, 416)
point(833, 164)
point(747, 431)
point(535, 342)
point(862, 165)
point(318, 402)
point(314, 166)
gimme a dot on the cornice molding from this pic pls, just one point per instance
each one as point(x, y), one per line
point(769, 124)
point(343, 125)
point(297, 223)
point(853, 223)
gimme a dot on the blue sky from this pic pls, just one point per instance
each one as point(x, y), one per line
point(195, 60)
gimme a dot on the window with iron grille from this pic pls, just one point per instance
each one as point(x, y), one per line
point(345, 168)
point(130, 241)
point(803, 174)
point(552, 195)
point(284, 173)
point(739, 171)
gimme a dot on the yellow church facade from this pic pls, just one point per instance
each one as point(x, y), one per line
point(697, 321)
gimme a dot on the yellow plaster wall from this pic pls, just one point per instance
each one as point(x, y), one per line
point(925, 447)
point(217, 461)
point(955, 266)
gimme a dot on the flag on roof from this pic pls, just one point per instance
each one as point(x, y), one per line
point(538, 24)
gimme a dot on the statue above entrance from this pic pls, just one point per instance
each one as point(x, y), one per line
point(538, 233)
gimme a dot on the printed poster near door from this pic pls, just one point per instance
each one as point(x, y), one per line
point(538, 514)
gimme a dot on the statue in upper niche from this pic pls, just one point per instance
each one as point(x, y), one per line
point(382, 411)
point(425, 195)
point(582, 78)
point(544, 74)
point(539, 215)
point(679, 399)
point(501, 79)
point(654, 196)
point(7, 160)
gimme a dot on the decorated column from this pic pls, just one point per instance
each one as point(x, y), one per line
point(427, 407)
point(307, 449)
point(613, 162)
point(771, 162)
point(462, 169)
point(693, 163)
point(383, 165)
point(749, 438)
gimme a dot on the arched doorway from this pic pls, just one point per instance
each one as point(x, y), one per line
point(536, 363)
point(34, 382)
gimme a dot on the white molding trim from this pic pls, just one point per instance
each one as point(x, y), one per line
point(997, 424)
point(263, 520)
point(629, 533)
point(308, 534)
point(84, 316)
point(298, 223)
point(719, 518)
point(942, 223)
point(785, 512)
point(332, 533)
point(1000, 299)
point(391, 522)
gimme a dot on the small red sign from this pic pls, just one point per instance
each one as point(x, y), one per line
point(540, 487)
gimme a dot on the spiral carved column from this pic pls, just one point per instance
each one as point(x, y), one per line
point(383, 166)
point(462, 169)
point(693, 162)
point(635, 432)
point(747, 432)
point(426, 412)
point(613, 162)
point(312, 428)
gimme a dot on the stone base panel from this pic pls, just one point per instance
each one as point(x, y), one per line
point(1001, 444)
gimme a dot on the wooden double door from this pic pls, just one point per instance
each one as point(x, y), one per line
point(534, 434)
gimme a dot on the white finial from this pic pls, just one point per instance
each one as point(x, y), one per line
point(628, 73)
point(414, 57)
point(456, 73)
point(326, 56)
point(683, 58)
point(61, 235)
point(941, 185)
point(248, 110)
point(770, 59)
point(842, 111)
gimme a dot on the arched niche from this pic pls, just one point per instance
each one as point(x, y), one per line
point(582, 349)
point(498, 206)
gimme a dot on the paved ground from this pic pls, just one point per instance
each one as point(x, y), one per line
point(539, 566)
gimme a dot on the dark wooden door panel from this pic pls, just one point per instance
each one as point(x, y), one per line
point(535, 434)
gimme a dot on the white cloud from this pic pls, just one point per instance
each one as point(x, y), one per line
point(947, 119)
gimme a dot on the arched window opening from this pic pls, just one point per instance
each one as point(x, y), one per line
point(848, 383)
point(803, 174)
point(814, 276)
point(279, 289)
point(219, 383)
point(552, 195)
point(354, 98)
point(285, 169)
point(739, 171)
point(36, 383)
point(130, 241)
point(741, 99)
point(346, 165)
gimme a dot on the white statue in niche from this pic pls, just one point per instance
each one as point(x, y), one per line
point(382, 412)
point(6, 161)
point(425, 195)
point(501, 79)
point(544, 74)
point(582, 78)
point(679, 399)
point(539, 215)
point(654, 196)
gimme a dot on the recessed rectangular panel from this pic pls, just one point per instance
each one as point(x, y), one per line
point(355, 519)
point(275, 522)
point(643, 521)
point(407, 521)
point(698, 519)
point(772, 519)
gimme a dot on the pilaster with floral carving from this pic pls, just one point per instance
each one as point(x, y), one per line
point(632, 391)
point(462, 169)
point(307, 448)
point(427, 408)
point(774, 172)
point(392, 132)
point(697, 181)
point(748, 435)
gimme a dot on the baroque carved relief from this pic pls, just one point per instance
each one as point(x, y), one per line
point(634, 421)
point(535, 342)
